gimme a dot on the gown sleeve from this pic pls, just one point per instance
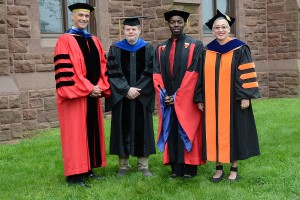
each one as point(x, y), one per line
point(246, 84)
point(118, 83)
point(199, 92)
point(70, 70)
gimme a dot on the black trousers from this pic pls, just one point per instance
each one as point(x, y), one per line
point(176, 153)
point(183, 169)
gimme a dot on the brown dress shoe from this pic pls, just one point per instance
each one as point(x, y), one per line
point(146, 172)
point(122, 172)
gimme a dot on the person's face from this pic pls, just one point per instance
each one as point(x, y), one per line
point(132, 33)
point(221, 30)
point(80, 19)
point(176, 25)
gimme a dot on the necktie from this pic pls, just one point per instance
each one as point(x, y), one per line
point(171, 55)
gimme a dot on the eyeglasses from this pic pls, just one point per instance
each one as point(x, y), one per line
point(216, 28)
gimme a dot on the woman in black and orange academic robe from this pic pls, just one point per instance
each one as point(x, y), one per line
point(226, 85)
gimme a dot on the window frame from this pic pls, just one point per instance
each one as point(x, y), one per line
point(64, 14)
point(231, 13)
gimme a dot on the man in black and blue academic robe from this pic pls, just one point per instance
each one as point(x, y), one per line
point(132, 102)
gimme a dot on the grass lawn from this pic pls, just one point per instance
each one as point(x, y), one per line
point(32, 168)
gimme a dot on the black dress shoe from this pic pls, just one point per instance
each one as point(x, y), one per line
point(122, 172)
point(218, 179)
point(189, 176)
point(77, 180)
point(97, 177)
point(174, 175)
point(146, 172)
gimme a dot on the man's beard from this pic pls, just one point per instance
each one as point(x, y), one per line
point(131, 40)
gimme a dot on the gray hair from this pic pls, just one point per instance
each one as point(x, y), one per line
point(219, 18)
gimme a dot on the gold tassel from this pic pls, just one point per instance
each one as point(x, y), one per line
point(188, 22)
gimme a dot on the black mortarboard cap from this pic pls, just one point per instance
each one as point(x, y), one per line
point(169, 14)
point(80, 6)
point(210, 23)
point(132, 21)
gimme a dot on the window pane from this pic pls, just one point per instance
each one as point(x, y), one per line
point(50, 16)
point(223, 6)
point(70, 2)
point(207, 13)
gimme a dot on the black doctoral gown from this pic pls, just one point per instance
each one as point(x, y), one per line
point(131, 123)
point(228, 76)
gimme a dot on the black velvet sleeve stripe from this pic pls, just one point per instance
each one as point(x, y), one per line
point(63, 65)
point(61, 56)
point(111, 58)
point(147, 74)
point(112, 66)
point(63, 74)
point(64, 83)
point(115, 75)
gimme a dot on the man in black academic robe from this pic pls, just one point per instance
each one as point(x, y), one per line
point(132, 102)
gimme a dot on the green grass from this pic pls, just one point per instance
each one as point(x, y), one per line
point(32, 168)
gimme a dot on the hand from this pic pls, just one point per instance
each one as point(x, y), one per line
point(169, 100)
point(96, 92)
point(133, 93)
point(245, 103)
point(201, 106)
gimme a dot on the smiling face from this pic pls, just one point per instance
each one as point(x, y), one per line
point(132, 33)
point(221, 30)
point(176, 25)
point(80, 19)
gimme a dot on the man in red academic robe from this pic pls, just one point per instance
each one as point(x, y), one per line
point(80, 82)
point(176, 66)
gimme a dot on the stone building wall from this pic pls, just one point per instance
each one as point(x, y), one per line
point(155, 28)
point(26, 104)
point(272, 32)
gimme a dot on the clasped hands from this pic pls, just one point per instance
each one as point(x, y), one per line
point(244, 104)
point(169, 100)
point(133, 93)
point(96, 92)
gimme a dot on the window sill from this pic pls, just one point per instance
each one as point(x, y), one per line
point(195, 2)
point(49, 40)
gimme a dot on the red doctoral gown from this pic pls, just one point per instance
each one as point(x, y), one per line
point(186, 64)
point(73, 55)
